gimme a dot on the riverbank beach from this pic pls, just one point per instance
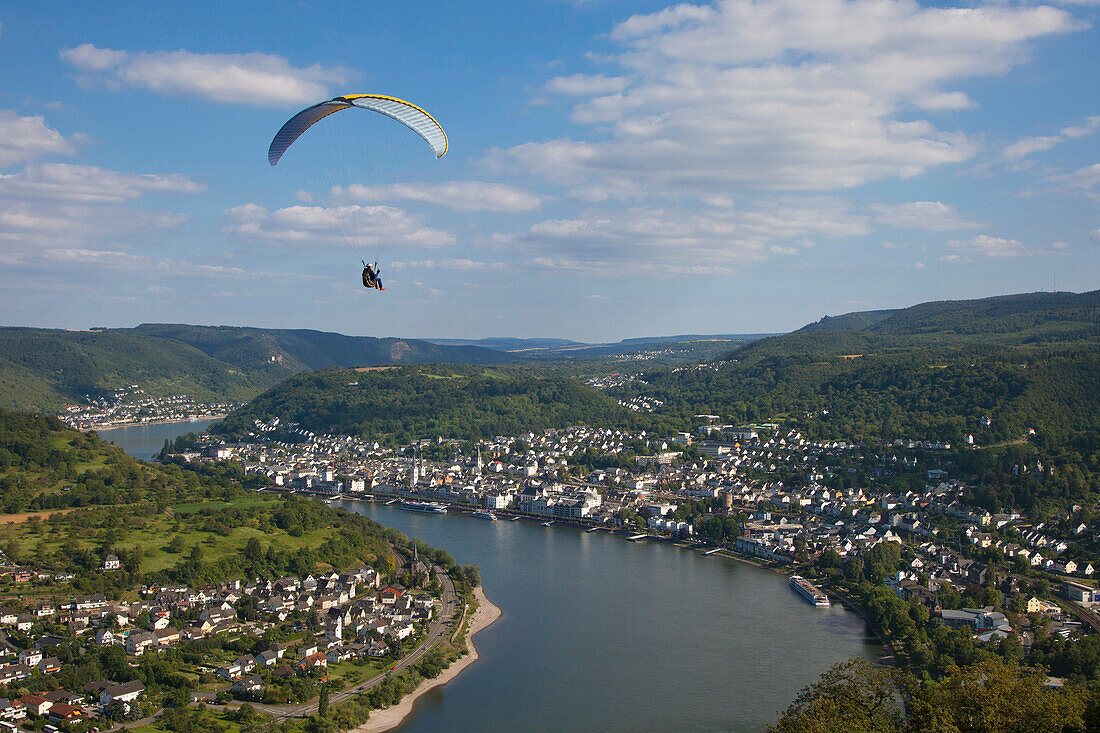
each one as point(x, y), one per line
point(390, 718)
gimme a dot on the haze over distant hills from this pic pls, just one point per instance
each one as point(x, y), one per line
point(931, 371)
point(43, 369)
point(559, 347)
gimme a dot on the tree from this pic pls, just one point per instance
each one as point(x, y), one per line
point(851, 696)
point(471, 574)
point(995, 697)
point(322, 702)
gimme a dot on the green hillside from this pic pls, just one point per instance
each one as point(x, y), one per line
point(1019, 319)
point(401, 404)
point(932, 370)
point(165, 523)
point(43, 369)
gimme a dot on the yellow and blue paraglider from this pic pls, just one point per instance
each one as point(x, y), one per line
point(408, 114)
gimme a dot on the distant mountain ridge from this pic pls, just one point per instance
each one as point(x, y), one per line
point(43, 369)
point(555, 345)
point(1028, 319)
point(1066, 314)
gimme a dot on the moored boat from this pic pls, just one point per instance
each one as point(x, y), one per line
point(428, 507)
point(485, 515)
point(809, 591)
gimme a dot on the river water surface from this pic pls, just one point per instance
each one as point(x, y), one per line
point(145, 441)
point(602, 634)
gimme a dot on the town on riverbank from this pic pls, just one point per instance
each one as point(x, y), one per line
point(130, 406)
point(926, 566)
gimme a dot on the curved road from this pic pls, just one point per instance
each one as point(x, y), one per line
point(436, 630)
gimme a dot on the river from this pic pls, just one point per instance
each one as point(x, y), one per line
point(599, 633)
point(145, 441)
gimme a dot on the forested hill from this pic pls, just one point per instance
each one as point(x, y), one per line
point(1024, 318)
point(406, 403)
point(42, 369)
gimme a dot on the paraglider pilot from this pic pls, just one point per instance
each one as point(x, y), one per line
point(370, 276)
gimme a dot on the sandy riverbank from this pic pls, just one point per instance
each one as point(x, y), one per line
point(383, 720)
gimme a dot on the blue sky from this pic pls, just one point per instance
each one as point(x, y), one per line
point(616, 169)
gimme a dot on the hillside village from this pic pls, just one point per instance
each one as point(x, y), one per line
point(132, 406)
point(221, 640)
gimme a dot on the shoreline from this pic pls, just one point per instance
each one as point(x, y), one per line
point(390, 718)
point(108, 428)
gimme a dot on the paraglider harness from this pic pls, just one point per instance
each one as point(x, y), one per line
point(370, 276)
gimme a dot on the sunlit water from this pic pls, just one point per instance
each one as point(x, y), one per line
point(599, 633)
point(145, 441)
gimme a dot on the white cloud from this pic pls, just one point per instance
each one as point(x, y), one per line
point(88, 184)
point(251, 78)
point(656, 237)
point(1028, 145)
point(33, 232)
point(22, 139)
point(458, 265)
point(986, 246)
point(456, 195)
point(1095, 235)
point(779, 95)
point(89, 58)
point(359, 225)
point(586, 84)
point(930, 215)
point(1085, 181)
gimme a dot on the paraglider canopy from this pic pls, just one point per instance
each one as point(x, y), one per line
point(407, 113)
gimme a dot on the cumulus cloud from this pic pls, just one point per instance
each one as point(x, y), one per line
point(362, 225)
point(33, 229)
point(456, 195)
point(779, 95)
point(986, 246)
point(89, 184)
point(930, 215)
point(55, 210)
point(250, 78)
point(1085, 181)
point(1028, 145)
point(23, 139)
point(649, 237)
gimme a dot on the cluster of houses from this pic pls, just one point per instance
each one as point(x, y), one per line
point(359, 617)
point(130, 406)
point(63, 707)
point(783, 483)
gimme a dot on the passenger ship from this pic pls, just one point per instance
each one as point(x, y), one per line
point(809, 591)
point(429, 507)
point(485, 515)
